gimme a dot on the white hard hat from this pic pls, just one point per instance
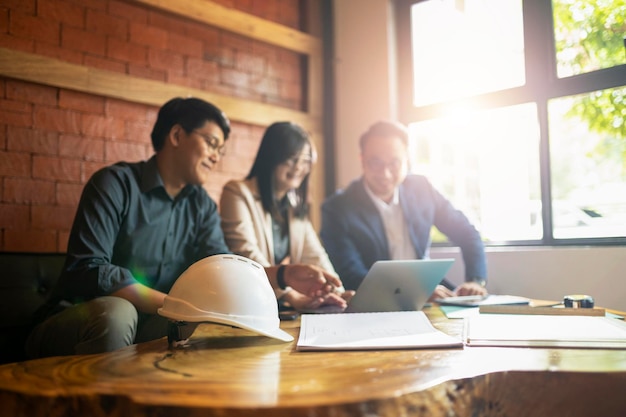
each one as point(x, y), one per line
point(226, 289)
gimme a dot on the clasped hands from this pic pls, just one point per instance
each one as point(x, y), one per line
point(314, 287)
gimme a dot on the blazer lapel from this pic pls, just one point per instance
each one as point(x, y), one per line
point(406, 203)
point(369, 214)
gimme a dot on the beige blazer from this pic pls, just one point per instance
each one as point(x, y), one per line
point(248, 229)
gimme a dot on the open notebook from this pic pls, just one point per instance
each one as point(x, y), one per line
point(367, 331)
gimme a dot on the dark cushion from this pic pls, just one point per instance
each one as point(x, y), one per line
point(26, 280)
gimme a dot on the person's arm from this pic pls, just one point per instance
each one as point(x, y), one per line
point(307, 279)
point(239, 218)
point(340, 246)
point(457, 227)
point(88, 270)
point(145, 299)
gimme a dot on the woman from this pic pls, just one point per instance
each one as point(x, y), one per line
point(265, 216)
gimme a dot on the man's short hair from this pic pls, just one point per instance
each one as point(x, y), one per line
point(385, 129)
point(190, 114)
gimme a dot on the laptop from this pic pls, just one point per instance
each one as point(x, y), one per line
point(399, 285)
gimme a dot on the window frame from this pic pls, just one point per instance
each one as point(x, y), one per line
point(542, 84)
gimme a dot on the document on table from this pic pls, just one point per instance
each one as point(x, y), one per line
point(478, 300)
point(545, 331)
point(367, 331)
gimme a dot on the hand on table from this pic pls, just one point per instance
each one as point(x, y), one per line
point(470, 288)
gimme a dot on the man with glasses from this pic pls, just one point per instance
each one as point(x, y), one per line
point(138, 227)
point(388, 214)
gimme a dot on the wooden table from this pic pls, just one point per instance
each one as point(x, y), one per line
point(231, 372)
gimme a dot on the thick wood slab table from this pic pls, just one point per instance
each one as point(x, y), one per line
point(231, 372)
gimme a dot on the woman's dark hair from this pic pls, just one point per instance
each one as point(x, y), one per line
point(281, 142)
point(190, 114)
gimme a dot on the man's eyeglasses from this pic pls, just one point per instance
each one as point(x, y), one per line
point(299, 161)
point(212, 143)
point(378, 165)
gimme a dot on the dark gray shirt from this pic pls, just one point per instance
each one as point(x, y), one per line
point(128, 229)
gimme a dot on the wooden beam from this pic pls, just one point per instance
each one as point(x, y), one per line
point(48, 71)
point(235, 21)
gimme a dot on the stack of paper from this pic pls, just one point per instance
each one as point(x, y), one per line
point(360, 331)
point(545, 331)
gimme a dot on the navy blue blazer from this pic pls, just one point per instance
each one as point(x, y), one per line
point(354, 236)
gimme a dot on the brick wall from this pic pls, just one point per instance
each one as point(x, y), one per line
point(53, 139)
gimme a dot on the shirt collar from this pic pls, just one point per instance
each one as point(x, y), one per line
point(380, 204)
point(151, 179)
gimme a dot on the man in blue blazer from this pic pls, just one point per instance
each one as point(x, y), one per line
point(388, 214)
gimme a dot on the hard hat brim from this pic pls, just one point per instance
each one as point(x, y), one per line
point(276, 333)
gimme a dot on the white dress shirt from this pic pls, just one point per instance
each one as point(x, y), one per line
point(396, 230)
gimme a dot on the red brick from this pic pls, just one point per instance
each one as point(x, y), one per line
point(79, 147)
point(16, 106)
point(130, 152)
point(82, 102)
point(267, 10)
point(128, 11)
point(142, 34)
point(235, 42)
point(52, 217)
point(202, 32)
point(80, 40)
point(249, 63)
point(102, 126)
point(89, 168)
point(105, 24)
point(167, 60)
point(24, 6)
point(54, 51)
point(184, 45)
point(15, 164)
point(56, 168)
point(41, 142)
point(69, 14)
point(55, 119)
point(22, 190)
point(268, 52)
point(32, 27)
point(36, 241)
point(289, 14)
point(62, 240)
point(265, 86)
point(14, 215)
point(91, 4)
point(68, 194)
point(105, 64)
point(142, 71)
point(126, 51)
point(16, 118)
point(120, 109)
point(165, 21)
point(4, 20)
point(17, 44)
point(291, 91)
point(198, 68)
point(235, 78)
point(31, 93)
point(139, 131)
point(3, 137)
point(225, 57)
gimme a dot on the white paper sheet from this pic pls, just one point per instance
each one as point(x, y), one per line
point(545, 331)
point(363, 331)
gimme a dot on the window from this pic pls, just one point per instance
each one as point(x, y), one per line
point(517, 113)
